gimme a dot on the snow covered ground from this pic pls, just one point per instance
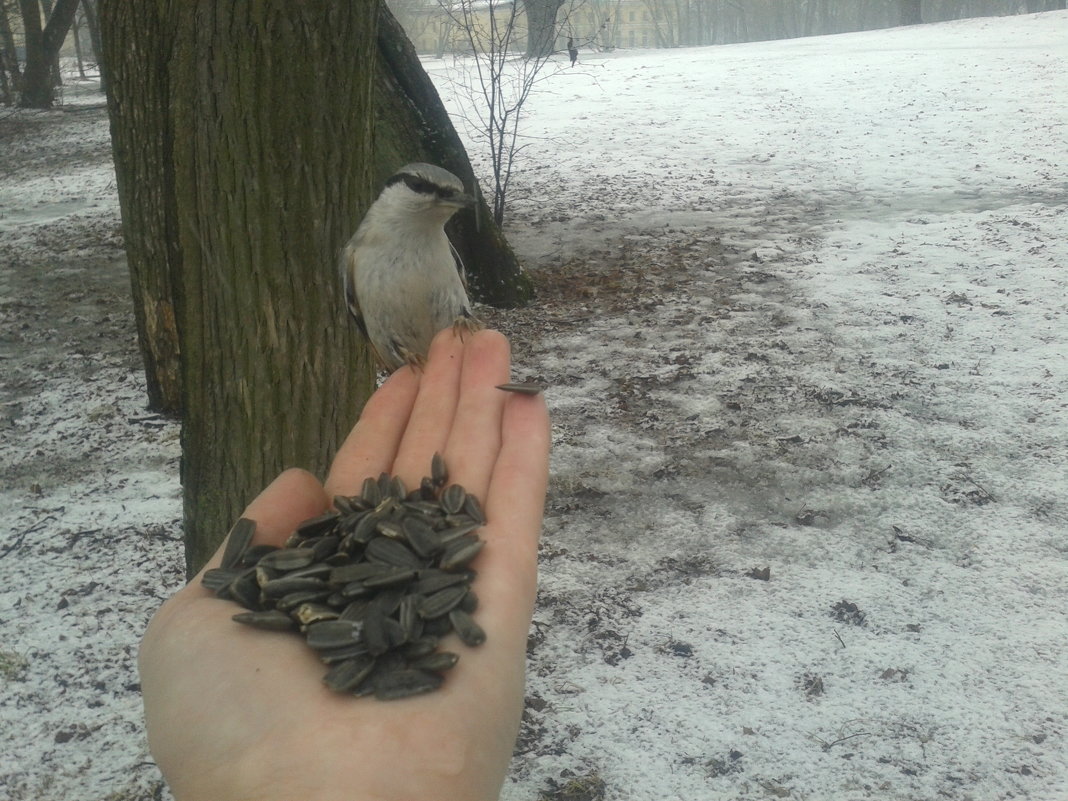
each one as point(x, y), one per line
point(803, 312)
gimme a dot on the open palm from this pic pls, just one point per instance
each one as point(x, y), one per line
point(238, 713)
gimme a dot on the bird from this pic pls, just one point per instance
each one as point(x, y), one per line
point(403, 279)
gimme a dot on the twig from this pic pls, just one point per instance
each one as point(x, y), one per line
point(22, 536)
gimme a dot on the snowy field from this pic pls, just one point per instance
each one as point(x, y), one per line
point(804, 312)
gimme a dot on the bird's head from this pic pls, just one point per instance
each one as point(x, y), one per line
point(425, 191)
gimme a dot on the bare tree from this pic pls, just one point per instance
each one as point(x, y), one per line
point(498, 82)
point(42, 48)
point(541, 26)
point(910, 12)
point(8, 53)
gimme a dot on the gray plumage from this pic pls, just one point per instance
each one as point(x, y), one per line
point(403, 281)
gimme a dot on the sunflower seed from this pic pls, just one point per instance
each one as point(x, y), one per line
point(473, 509)
point(218, 577)
point(355, 589)
point(357, 572)
point(386, 602)
point(295, 599)
point(391, 552)
point(255, 553)
point(333, 634)
point(447, 535)
point(384, 480)
point(272, 620)
point(238, 541)
point(470, 602)
point(427, 490)
point(355, 610)
point(460, 554)
point(441, 602)
point(405, 683)
point(265, 574)
point(370, 492)
point(391, 529)
point(469, 632)
point(408, 617)
point(442, 660)
point(397, 489)
point(288, 558)
point(439, 473)
point(307, 614)
point(423, 539)
point(526, 388)
point(375, 634)
point(245, 590)
point(430, 581)
point(316, 526)
point(286, 585)
point(394, 577)
point(332, 656)
point(325, 546)
point(420, 646)
point(346, 675)
point(346, 506)
point(452, 499)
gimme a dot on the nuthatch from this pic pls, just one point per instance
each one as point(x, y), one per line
point(403, 278)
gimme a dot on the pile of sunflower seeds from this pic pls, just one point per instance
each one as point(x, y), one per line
point(372, 585)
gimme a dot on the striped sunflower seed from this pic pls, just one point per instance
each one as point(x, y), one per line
point(237, 542)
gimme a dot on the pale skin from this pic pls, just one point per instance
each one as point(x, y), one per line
point(237, 714)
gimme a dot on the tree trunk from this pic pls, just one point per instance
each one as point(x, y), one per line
point(541, 26)
point(77, 36)
point(89, 7)
point(264, 113)
point(910, 12)
point(142, 139)
point(42, 48)
point(411, 124)
point(7, 47)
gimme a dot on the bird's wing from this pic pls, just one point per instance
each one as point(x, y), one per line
point(459, 264)
point(348, 274)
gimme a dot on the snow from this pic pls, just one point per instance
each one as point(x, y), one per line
point(802, 308)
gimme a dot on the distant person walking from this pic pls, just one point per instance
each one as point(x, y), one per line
point(572, 50)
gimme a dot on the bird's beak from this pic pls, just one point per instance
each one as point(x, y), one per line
point(461, 201)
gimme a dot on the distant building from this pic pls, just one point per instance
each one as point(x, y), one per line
point(436, 27)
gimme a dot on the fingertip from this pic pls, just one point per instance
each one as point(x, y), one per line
point(290, 499)
point(490, 340)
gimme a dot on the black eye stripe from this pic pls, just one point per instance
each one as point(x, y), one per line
point(421, 185)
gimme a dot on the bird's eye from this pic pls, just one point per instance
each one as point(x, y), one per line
point(419, 185)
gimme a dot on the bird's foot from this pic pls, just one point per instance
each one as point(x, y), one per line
point(416, 360)
point(466, 324)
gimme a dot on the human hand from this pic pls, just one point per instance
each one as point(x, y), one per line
point(238, 713)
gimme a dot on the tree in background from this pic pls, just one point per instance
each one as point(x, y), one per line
point(243, 150)
point(497, 82)
point(542, 28)
point(910, 12)
point(42, 49)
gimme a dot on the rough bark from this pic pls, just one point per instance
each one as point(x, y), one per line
point(910, 12)
point(411, 124)
point(42, 48)
point(7, 46)
point(89, 7)
point(137, 42)
point(541, 26)
point(267, 116)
